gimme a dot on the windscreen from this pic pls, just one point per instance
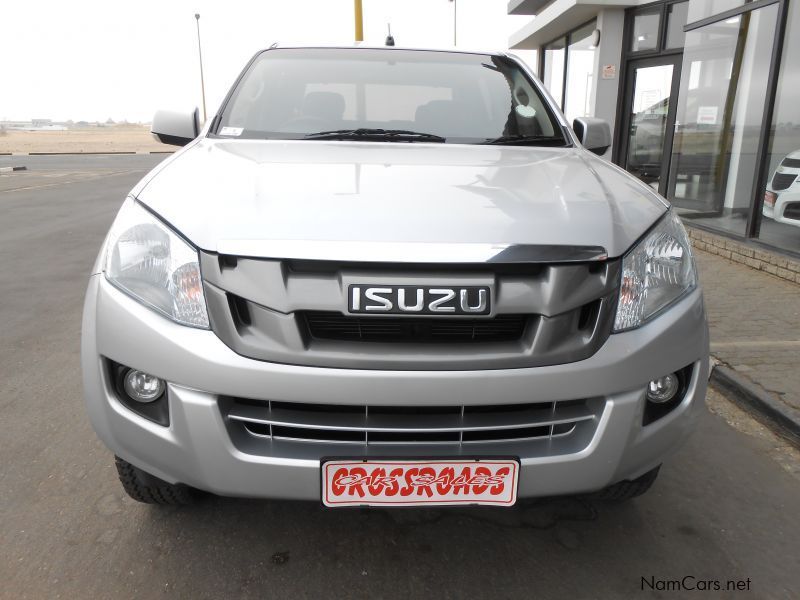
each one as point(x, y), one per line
point(463, 98)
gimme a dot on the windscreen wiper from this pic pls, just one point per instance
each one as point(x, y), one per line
point(366, 133)
point(524, 140)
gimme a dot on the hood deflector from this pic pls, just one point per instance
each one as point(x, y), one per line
point(411, 252)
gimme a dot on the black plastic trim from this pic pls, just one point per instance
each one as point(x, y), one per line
point(156, 411)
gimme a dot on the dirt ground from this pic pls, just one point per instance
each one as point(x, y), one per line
point(120, 138)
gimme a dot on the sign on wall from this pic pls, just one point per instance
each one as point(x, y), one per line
point(609, 71)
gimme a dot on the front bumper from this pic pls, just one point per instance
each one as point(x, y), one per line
point(778, 212)
point(197, 449)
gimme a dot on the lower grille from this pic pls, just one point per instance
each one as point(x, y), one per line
point(781, 181)
point(792, 211)
point(392, 425)
point(336, 326)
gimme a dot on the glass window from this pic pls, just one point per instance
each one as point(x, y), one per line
point(645, 30)
point(701, 9)
point(780, 223)
point(720, 110)
point(676, 19)
point(466, 98)
point(652, 90)
point(554, 61)
point(580, 71)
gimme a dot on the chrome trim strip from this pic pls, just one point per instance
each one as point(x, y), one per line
point(410, 252)
point(521, 439)
point(439, 423)
point(409, 443)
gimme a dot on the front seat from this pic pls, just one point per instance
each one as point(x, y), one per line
point(442, 117)
point(328, 106)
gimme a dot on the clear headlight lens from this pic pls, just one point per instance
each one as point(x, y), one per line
point(656, 272)
point(151, 263)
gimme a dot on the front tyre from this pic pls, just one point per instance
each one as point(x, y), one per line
point(143, 487)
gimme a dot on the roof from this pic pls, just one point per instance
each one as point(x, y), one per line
point(363, 45)
point(559, 17)
point(526, 7)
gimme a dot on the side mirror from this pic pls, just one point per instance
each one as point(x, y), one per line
point(594, 134)
point(176, 128)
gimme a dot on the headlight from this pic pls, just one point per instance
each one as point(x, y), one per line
point(151, 263)
point(655, 273)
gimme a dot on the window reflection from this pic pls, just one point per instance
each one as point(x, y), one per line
point(676, 19)
point(721, 107)
point(650, 108)
point(780, 224)
point(645, 30)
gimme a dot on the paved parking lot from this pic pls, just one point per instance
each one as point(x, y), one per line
point(724, 508)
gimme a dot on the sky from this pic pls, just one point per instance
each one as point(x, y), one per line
point(96, 59)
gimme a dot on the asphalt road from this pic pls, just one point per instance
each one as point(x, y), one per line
point(724, 508)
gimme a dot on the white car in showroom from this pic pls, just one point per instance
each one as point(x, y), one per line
point(782, 199)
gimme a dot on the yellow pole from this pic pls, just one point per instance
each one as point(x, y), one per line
point(359, 22)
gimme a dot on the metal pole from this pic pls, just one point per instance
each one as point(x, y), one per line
point(359, 21)
point(200, 54)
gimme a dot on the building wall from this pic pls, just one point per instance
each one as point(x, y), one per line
point(605, 92)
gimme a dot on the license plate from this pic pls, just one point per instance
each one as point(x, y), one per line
point(419, 482)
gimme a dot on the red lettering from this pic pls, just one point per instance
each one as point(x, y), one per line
point(356, 486)
point(500, 485)
point(395, 474)
point(376, 485)
point(424, 481)
point(337, 489)
point(444, 480)
point(479, 481)
point(460, 483)
point(409, 489)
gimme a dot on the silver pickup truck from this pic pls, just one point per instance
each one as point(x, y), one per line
point(391, 277)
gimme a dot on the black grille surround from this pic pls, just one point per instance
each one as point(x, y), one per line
point(793, 163)
point(279, 311)
point(781, 181)
point(420, 330)
point(792, 211)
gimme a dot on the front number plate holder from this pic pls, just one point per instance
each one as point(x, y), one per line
point(385, 482)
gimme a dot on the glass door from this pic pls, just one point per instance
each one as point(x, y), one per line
point(651, 91)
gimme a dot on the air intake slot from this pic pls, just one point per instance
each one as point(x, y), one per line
point(336, 326)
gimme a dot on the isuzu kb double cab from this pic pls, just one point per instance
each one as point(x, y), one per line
point(390, 277)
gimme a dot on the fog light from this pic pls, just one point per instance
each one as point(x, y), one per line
point(663, 389)
point(143, 387)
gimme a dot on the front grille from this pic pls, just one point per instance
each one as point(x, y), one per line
point(285, 312)
point(793, 163)
point(336, 326)
point(781, 181)
point(404, 425)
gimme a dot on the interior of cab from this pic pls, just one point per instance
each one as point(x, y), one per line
point(291, 93)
